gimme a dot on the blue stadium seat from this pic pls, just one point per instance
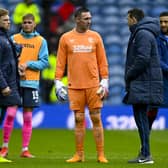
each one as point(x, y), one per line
point(109, 10)
point(130, 3)
point(116, 70)
point(114, 48)
point(155, 12)
point(116, 60)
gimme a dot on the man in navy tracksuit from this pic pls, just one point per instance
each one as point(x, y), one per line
point(143, 86)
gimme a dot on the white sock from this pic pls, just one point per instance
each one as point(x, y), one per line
point(24, 149)
point(5, 144)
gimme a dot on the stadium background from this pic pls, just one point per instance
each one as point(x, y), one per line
point(109, 19)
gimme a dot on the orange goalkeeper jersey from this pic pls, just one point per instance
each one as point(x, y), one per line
point(85, 58)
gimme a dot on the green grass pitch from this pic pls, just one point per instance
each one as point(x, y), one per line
point(52, 147)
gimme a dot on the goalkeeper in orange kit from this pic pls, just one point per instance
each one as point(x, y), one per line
point(82, 51)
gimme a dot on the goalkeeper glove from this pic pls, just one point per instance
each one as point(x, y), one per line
point(61, 91)
point(103, 89)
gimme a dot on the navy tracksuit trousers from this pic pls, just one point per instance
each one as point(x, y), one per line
point(141, 119)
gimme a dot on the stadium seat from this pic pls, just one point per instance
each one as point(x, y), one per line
point(116, 70)
point(157, 10)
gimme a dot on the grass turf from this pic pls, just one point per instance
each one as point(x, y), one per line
point(52, 147)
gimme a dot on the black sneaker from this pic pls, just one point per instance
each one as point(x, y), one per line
point(142, 159)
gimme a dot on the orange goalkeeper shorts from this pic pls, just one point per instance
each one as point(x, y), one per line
point(80, 98)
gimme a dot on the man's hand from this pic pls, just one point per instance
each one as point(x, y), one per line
point(103, 89)
point(61, 91)
point(22, 69)
point(6, 91)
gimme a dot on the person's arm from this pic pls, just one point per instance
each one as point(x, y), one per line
point(42, 61)
point(3, 83)
point(61, 59)
point(163, 60)
point(4, 88)
point(61, 90)
point(103, 69)
point(101, 59)
point(143, 53)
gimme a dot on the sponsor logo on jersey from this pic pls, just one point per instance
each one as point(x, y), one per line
point(82, 49)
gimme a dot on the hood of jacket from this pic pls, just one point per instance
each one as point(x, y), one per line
point(147, 23)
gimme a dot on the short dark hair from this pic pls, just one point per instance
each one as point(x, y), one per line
point(28, 16)
point(80, 10)
point(165, 13)
point(3, 12)
point(137, 13)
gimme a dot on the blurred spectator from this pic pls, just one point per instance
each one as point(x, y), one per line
point(58, 18)
point(59, 21)
point(61, 15)
point(79, 2)
point(45, 5)
point(22, 8)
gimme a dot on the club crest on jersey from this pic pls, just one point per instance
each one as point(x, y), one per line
point(71, 40)
point(90, 40)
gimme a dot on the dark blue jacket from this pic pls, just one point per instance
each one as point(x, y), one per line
point(163, 53)
point(8, 71)
point(143, 75)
